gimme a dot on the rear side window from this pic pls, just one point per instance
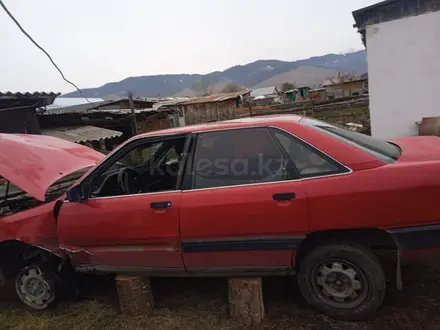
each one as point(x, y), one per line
point(238, 157)
point(308, 161)
point(384, 150)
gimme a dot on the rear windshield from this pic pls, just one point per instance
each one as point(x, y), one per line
point(383, 150)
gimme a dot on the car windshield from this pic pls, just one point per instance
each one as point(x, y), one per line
point(383, 150)
point(13, 199)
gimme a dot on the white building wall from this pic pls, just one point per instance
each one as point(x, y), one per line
point(404, 74)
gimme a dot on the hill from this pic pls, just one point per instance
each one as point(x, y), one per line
point(302, 76)
point(259, 73)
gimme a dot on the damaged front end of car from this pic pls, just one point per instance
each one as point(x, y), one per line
point(29, 250)
point(35, 173)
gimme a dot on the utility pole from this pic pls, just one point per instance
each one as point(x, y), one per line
point(133, 112)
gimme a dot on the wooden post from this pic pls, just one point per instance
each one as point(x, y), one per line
point(135, 295)
point(133, 112)
point(313, 107)
point(246, 300)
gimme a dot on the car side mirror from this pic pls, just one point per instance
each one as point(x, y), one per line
point(75, 194)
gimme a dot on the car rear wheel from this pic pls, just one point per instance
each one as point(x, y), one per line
point(343, 281)
point(36, 286)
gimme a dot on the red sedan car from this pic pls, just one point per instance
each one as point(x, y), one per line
point(256, 196)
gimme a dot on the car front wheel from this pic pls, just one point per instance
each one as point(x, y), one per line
point(343, 281)
point(36, 286)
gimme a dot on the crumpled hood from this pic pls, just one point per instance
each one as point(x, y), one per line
point(35, 162)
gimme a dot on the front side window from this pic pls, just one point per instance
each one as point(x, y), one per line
point(309, 161)
point(238, 157)
point(139, 156)
point(142, 168)
point(383, 150)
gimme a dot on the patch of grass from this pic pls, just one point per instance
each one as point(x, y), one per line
point(202, 304)
point(354, 111)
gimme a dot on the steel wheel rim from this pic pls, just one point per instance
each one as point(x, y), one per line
point(33, 288)
point(340, 283)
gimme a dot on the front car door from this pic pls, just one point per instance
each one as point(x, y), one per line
point(129, 216)
point(243, 206)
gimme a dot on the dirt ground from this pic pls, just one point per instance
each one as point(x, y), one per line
point(202, 304)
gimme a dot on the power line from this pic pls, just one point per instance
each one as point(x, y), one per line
point(23, 107)
point(41, 48)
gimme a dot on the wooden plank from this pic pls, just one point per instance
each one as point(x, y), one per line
point(135, 295)
point(246, 300)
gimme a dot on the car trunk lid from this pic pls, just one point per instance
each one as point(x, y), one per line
point(418, 148)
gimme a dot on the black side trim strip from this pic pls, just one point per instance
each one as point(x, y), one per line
point(419, 237)
point(181, 272)
point(242, 244)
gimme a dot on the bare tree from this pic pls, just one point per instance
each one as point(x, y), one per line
point(231, 88)
point(203, 88)
point(286, 86)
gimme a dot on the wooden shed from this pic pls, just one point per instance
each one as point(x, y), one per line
point(212, 108)
point(18, 111)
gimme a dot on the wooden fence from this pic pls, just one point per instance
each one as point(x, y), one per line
point(306, 107)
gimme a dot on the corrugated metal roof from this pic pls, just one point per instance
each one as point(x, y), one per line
point(263, 91)
point(61, 102)
point(215, 98)
point(123, 111)
point(342, 80)
point(79, 108)
point(19, 99)
point(158, 105)
point(291, 91)
point(81, 133)
point(27, 94)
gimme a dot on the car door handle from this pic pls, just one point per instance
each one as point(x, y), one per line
point(160, 205)
point(284, 196)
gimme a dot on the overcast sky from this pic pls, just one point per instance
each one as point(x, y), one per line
point(100, 41)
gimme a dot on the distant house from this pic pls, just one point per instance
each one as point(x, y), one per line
point(18, 111)
point(318, 94)
point(291, 94)
point(212, 108)
point(345, 86)
point(266, 95)
point(403, 47)
point(298, 94)
point(172, 103)
point(356, 86)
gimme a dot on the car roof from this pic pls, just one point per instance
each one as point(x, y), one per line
point(234, 123)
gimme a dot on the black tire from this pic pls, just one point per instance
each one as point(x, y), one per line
point(367, 269)
point(41, 278)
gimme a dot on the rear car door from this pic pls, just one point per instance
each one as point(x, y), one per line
point(243, 206)
point(127, 223)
